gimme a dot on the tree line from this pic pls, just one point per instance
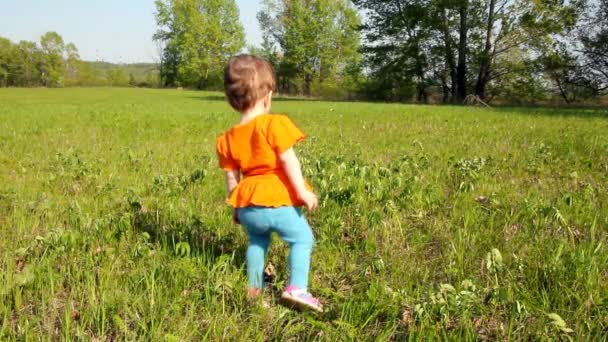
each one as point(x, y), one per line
point(51, 62)
point(313, 45)
point(510, 49)
point(387, 50)
point(399, 50)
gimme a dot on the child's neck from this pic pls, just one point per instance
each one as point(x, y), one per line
point(253, 113)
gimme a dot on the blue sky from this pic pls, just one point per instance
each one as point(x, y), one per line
point(109, 30)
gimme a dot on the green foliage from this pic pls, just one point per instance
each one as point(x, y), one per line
point(102, 74)
point(198, 37)
point(562, 70)
point(525, 83)
point(460, 46)
point(117, 78)
point(30, 64)
point(114, 226)
point(399, 39)
point(52, 63)
point(576, 64)
point(6, 51)
point(51, 66)
point(319, 43)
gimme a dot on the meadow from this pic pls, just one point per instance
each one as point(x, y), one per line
point(436, 222)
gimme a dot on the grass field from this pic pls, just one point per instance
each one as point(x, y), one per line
point(436, 222)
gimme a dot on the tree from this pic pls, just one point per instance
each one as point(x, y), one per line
point(132, 80)
point(594, 48)
point(88, 76)
point(27, 64)
point(461, 69)
point(520, 24)
point(71, 60)
point(577, 64)
point(443, 19)
point(271, 32)
point(458, 44)
point(318, 41)
point(51, 68)
point(399, 41)
point(152, 79)
point(561, 67)
point(198, 36)
point(6, 56)
point(117, 77)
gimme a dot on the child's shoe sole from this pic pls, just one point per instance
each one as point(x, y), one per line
point(299, 304)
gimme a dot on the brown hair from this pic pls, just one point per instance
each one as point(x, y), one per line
point(247, 79)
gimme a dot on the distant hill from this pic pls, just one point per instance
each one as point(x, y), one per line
point(139, 70)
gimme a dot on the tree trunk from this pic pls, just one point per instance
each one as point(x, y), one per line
point(202, 82)
point(486, 59)
point(461, 70)
point(307, 89)
point(450, 63)
point(444, 86)
point(284, 85)
point(422, 96)
point(562, 91)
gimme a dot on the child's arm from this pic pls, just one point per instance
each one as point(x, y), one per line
point(233, 177)
point(292, 168)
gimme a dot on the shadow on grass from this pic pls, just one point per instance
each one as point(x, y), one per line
point(201, 238)
point(589, 112)
point(278, 98)
point(583, 112)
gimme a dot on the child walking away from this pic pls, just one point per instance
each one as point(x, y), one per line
point(268, 197)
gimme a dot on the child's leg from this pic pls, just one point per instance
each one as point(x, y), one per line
point(258, 230)
point(292, 226)
point(256, 252)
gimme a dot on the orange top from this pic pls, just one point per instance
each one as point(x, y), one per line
point(254, 148)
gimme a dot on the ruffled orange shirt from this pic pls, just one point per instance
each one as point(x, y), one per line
point(254, 149)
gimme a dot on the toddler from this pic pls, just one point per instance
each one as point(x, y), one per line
point(264, 178)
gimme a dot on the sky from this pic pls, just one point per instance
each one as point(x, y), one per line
point(118, 31)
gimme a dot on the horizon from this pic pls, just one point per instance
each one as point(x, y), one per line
point(79, 23)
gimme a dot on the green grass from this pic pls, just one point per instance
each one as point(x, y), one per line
point(436, 222)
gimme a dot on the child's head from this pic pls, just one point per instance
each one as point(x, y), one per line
point(248, 80)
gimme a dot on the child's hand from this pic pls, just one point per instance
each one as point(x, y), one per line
point(235, 216)
point(310, 200)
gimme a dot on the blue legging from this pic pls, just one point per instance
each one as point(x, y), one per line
point(292, 227)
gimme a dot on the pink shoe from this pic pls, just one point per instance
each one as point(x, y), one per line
point(299, 298)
